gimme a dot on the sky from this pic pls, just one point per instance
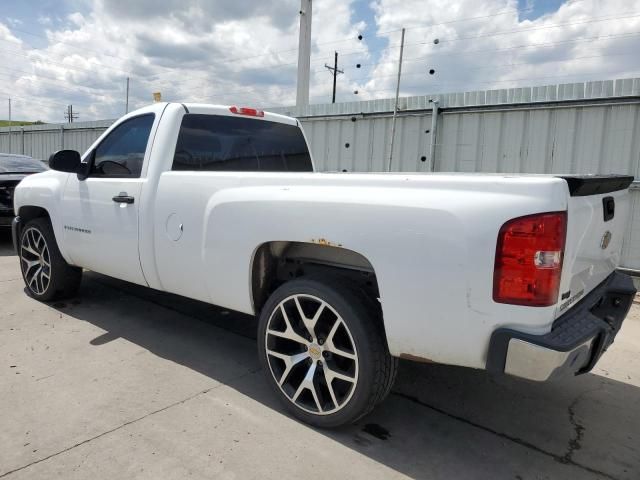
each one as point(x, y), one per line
point(59, 52)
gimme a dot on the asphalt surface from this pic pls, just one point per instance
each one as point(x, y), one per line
point(125, 382)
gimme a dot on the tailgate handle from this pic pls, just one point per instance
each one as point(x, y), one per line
point(609, 207)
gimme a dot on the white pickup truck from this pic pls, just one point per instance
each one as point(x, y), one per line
point(347, 272)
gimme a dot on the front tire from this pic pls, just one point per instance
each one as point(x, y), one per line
point(46, 274)
point(324, 351)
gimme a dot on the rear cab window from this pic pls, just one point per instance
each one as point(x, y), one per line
point(223, 143)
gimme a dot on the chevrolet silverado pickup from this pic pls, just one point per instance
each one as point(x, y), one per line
point(347, 272)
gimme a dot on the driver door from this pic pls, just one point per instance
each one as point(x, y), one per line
point(100, 213)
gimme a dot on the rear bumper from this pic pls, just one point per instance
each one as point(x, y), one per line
point(576, 341)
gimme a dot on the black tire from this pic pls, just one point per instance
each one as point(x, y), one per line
point(376, 367)
point(64, 279)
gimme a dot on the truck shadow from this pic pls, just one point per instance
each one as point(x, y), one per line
point(439, 422)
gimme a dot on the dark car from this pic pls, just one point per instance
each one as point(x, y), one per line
point(14, 168)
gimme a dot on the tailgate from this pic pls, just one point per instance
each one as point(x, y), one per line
point(597, 218)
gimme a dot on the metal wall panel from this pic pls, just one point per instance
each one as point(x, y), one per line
point(40, 141)
point(81, 139)
point(42, 144)
point(15, 142)
point(580, 139)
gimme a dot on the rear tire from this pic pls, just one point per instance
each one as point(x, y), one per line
point(324, 351)
point(46, 274)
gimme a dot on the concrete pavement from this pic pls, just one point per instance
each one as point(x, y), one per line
point(125, 382)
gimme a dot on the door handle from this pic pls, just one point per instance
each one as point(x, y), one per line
point(123, 198)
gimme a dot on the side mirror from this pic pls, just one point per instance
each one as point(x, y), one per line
point(65, 161)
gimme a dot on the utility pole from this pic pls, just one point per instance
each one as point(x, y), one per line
point(9, 125)
point(126, 105)
point(395, 107)
point(69, 115)
point(304, 54)
point(335, 71)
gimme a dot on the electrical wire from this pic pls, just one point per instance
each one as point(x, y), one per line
point(467, 19)
point(503, 65)
point(237, 59)
point(251, 91)
point(90, 69)
point(131, 59)
point(30, 101)
point(500, 33)
point(541, 27)
point(39, 77)
point(329, 42)
point(506, 49)
point(206, 76)
point(490, 82)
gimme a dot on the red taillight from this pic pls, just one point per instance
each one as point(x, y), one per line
point(529, 260)
point(251, 112)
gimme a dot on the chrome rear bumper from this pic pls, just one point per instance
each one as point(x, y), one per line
point(576, 341)
point(534, 362)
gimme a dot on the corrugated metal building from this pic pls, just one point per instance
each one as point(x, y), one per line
point(591, 127)
point(40, 141)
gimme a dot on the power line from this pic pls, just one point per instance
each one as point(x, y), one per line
point(290, 50)
point(506, 32)
point(541, 27)
point(89, 69)
point(447, 22)
point(237, 59)
point(227, 61)
point(141, 80)
point(467, 19)
point(492, 82)
point(502, 65)
point(77, 88)
point(30, 101)
point(472, 52)
point(516, 47)
point(207, 75)
point(252, 90)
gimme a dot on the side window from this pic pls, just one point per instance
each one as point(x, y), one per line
point(225, 143)
point(121, 153)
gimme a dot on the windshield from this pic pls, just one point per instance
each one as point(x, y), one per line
point(19, 164)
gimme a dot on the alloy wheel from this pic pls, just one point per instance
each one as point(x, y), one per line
point(311, 354)
point(35, 260)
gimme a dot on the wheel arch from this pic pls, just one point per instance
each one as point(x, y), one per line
point(25, 214)
point(29, 212)
point(275, 262)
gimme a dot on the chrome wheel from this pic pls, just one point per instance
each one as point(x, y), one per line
point(35, 261)
point(311, 354)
